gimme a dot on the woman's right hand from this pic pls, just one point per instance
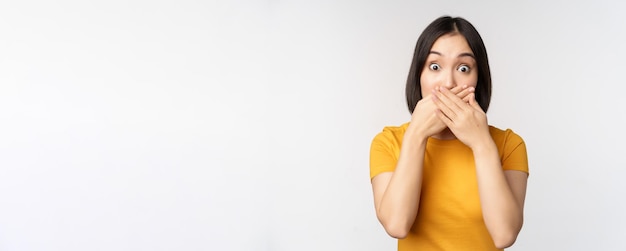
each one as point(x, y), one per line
point(424, 120)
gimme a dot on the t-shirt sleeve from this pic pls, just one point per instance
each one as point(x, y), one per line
point(515, 156)
point(382, 155)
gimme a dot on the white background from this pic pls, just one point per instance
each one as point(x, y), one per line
point(245, 125)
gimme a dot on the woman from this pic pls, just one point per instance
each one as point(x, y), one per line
point(447, 180)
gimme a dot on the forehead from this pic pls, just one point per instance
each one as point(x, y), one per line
point(451, 44)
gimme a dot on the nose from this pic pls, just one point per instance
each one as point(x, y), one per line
point(448, 80)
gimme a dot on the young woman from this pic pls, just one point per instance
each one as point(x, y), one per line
point(447, 180)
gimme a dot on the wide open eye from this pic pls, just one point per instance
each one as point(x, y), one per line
point(463, 68)
point(434, 67)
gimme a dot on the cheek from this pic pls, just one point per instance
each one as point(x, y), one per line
point(470, 81)
point(428, 84)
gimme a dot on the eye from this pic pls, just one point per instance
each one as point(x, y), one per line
point(434, 67)
point(463, 68)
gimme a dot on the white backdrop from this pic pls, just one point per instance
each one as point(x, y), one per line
point(245, 125)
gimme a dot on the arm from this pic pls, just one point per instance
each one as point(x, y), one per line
point(397, 193)
point(502, 195)
point(501, 192)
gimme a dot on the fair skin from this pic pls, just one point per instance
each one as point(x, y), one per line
point(449, 111)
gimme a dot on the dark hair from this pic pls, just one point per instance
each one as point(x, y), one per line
point(442, 26)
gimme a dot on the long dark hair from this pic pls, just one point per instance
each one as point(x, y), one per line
point(442, 26)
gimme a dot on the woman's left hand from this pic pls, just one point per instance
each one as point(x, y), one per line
point(466, 120)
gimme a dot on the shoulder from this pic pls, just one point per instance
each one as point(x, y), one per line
point(385, 149)
point(511, 148)
point(391, 135)
point(509, 143)
point(504, 137)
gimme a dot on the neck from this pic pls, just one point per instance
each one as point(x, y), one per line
point(446, 134)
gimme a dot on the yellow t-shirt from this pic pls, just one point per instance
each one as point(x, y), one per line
point(449, 216)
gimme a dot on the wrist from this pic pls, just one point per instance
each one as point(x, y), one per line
point(485, 145)
point(414, 135)
point(414, 142)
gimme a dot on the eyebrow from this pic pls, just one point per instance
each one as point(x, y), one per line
point(464, 54)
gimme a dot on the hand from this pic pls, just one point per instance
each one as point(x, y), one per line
point(466, 120)
point(425, 121)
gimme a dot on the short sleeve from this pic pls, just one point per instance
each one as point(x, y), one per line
point(383, 153)
point(514, 155)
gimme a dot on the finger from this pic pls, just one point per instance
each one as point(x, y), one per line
point(457, 89)
point(451, 100)
point(445, 119)
point(467, 99)
point(473, 102)
point(444, 104)
point(465, 93)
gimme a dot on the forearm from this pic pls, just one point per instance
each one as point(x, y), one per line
point(400, 201)
point(501, 212)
